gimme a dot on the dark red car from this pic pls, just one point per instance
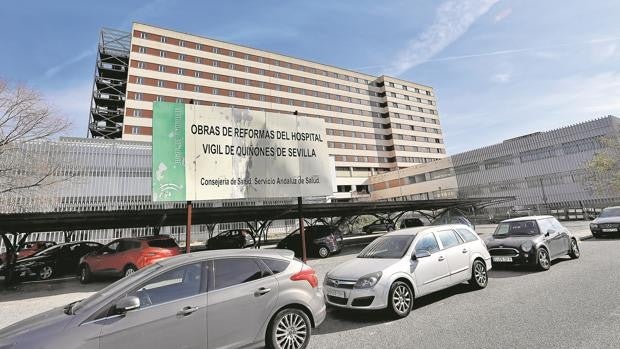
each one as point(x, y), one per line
point(122, 257)
point(30, 248)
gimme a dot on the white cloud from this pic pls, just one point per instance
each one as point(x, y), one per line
point(502, 15)
point(50, 72)
point(72, 102)
point(501, 78)
point(452, 20)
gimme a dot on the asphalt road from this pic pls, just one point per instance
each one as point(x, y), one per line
point(576, 304)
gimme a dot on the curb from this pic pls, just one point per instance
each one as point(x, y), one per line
point(587, 237)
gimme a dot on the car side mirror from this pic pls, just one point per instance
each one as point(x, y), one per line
point(420, 254)
point(127, 303)
point(550, 232)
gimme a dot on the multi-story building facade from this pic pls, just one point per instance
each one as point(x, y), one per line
point(545, 171)
point(373, 124)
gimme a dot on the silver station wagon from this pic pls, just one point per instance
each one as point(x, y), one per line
point(400, 266)
point(214, 299)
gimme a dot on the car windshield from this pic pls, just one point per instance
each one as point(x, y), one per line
point(394, 246)
point(48, 251)
point(125, 283)
point(517, 228)
point(610, 212)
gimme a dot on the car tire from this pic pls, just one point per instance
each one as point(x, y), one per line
point(543, 260)
point(289, 328)
point(389, 229)
point(575, 252)
point(85, 275)
point(323, 251)
point(479, 277)
point(130, 269)
point(45, 273)
point(400, 300)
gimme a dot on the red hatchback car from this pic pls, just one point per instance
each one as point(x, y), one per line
point(122, 257)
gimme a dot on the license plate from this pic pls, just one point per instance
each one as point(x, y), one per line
point(502, 259)
point(335, 293)
point(610, 230)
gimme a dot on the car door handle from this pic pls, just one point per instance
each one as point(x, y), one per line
point(187, 311)
point(261, 291)
point(440, 258)
point(464, 250)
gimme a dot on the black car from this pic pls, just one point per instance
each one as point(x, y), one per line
point(321, 241)
point(533, 241)
point(607, 223)
point(379, 225)
point(55, 261)
point(411, 223)
point(234, 238)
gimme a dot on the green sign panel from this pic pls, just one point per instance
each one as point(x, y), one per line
point(169, 152)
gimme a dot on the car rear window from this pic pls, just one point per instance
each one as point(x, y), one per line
point(276, 265)
point(163, 243)
point(467, 235)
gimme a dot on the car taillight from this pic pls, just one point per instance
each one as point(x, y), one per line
point(307, 274)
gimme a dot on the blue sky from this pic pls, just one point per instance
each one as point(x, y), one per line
point(500, 68)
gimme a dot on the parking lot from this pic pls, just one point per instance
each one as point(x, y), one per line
point(575, 305)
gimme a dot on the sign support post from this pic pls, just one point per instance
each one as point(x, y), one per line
point(301, 230)
point(188, 229)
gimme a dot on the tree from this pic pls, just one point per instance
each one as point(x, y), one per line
point(25, 118)
point(603, 171)
point(26, 168)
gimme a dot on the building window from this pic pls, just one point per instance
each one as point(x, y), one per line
point(216, 50)
point(247, 95)
point(231, 93)
point(138, 96)
point(162, 68)
point(196, 74)
point(160, 99)
point(215, 77)
point(135, 130)
point(163, 39)
point(181, 57)
point(139, 80)
point(261, 84)
point(216, 63)
point(262, 98)
point(261, 71)
point(161, 83)
point(181, 71)
point(247, 82)
point(179, 100)
point(246, 57)
point(198, 47)
point(231, 80)
point(261, 59)
point(141, 49)
point(137, 113)
point(231, 66)
point(216, 91)
point(180, 86)
point(141, 65)
point(162, 54)
point(143, 36)
point(197, 88)
point(181, 43)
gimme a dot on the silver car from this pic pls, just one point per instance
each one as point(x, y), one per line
point(214, 299)
point(405, 264)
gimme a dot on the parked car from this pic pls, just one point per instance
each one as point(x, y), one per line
point(124, 256)
point(211, 299)
point(534, 241)
point(321, 240)
point(411, 223)
point(607, 223)
point(379, 225)
point(55, 261)
point(30, 248)
point(234, 238)
point(402, 265)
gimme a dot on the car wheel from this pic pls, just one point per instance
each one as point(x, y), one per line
point(130, 269)
point(323, 252)
point(45, 273)
point(574, 249)
point(389, 229)
point(479, 278)
point(85, 274)
point(544, 261)
point(289, 329)
point(400, 299)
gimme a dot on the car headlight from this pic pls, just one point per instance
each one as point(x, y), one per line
point(368, 281)
point(593, 225)
point(526, 246)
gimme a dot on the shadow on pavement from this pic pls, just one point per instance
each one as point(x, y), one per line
point(509, 271)
point(441, 295)
point(34, 289)
point(339, 320)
